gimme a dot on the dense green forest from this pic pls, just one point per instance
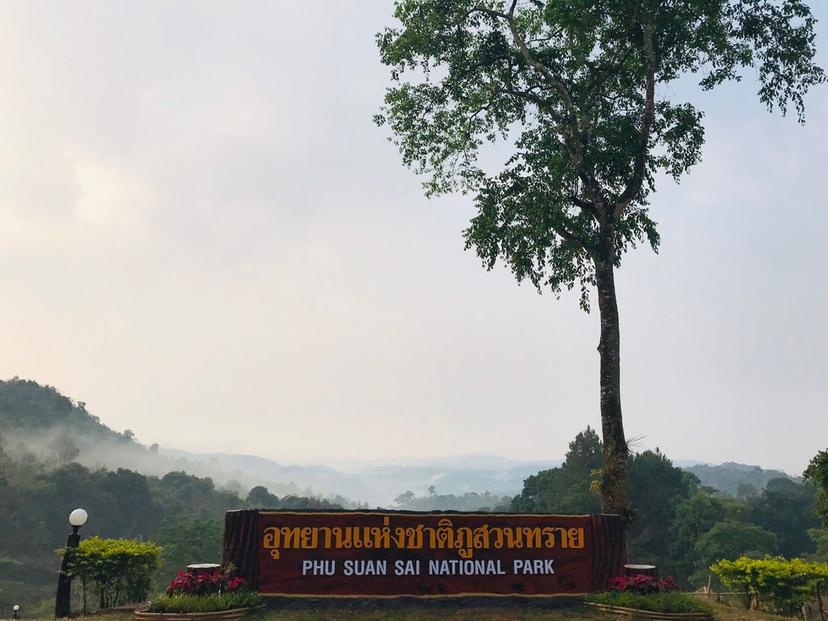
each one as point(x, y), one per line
point(680, 524)
point(182, 512)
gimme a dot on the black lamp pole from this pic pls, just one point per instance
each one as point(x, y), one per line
point(64, 589)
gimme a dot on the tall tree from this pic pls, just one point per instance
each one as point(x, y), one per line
point(568, 488)
point(817, 473)
point(576, 89)
point(785, 508)
point(657, 488)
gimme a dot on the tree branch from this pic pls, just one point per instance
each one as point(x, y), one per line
point(585, 205)
point(570, 124)
point(573, 133)
point(648, 116)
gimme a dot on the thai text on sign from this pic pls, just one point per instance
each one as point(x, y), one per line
point(389, 554)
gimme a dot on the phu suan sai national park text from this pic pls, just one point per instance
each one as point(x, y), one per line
point(417, 554)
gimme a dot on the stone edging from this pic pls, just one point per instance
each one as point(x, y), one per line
point(219, 615)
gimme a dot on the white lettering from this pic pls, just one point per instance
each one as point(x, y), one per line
point(318, 568)
point(531, 567)
point(365, 568)
point(406, 568)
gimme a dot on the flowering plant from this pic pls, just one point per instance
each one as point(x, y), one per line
point(205, 583)
point(642, 584)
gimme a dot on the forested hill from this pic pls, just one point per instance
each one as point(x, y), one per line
point(736, 479)
point(43, 437)
point(38, 420)
point(26, 406)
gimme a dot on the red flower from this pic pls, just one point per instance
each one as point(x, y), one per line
point(619, 583)
point(642, 584)
point(668, 584)
point(236, 584)
point(204, 583)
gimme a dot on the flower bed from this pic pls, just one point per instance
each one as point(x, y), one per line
point(205, 583)
point(644, 597)
point(206, 595)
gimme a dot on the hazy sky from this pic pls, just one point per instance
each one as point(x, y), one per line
point(204, 237)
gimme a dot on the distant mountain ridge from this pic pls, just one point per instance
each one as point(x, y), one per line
point(41, 420)
point(736, 479)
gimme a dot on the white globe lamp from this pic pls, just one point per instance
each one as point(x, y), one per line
point(78, 518)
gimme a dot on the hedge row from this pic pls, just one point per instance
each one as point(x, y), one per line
point(775, 583)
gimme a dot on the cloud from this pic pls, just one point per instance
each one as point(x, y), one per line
point(111, 197)
point(199, 223)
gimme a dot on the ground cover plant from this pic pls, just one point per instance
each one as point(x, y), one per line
point(213, 602)
point(665, 601)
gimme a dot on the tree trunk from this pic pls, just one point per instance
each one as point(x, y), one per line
point(614, 476)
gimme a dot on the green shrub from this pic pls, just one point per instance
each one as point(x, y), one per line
point(119, 571)
point(206, 603)
point(656, 602)
point(784, 584)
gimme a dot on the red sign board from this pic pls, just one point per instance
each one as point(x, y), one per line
point(393, 554)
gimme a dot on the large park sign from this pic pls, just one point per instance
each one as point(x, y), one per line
point(401, 553)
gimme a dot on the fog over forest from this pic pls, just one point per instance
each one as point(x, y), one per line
point(57, 430)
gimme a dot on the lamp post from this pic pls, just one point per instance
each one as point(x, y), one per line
point(62, 601)
point(15, 612)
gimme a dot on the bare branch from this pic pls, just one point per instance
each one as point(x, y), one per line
point(585, 205)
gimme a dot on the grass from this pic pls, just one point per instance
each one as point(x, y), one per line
point(432, 611)
point(446, 611)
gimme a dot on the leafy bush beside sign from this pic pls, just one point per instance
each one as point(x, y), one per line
point(119, 571)
point(784, 584)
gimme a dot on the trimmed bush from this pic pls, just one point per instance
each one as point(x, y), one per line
point(120, 571)
point(206, 603)
point(783, 585)
point(665, 601)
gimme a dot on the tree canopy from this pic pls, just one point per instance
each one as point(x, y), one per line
point(573, 86)
point(577, 91)
point(817, 473)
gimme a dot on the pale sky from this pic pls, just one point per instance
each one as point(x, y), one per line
point(204, 237)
